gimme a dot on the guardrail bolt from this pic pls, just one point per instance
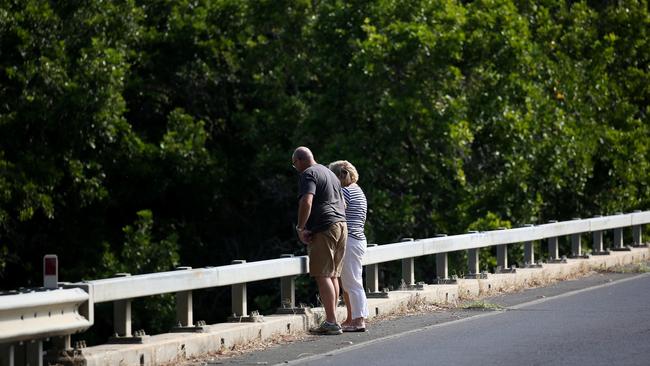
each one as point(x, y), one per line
point(139, 333)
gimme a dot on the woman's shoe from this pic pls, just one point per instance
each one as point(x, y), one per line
point(353, 329)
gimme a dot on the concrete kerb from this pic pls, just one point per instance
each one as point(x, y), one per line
point(170, 347)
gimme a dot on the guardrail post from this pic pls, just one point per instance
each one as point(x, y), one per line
point(553, 247)
point(7, 355)
point(20, 353)
point(529, 251)
point(122, 318)
point(637, 234)
point(408, 268)
point(184, 306)
point(122, 314)
point(239, 300)
point(597, 237)
point(502, 256)
point(288, 288)
point(618, 239)
point(63, 343)
point(442, 264)
point(473, 265)
point(576, 246)
point(618, 245)
point(34, 353)
point(372, 276)
point(473, 262)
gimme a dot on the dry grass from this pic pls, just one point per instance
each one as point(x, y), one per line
point(628, 268)
point(481, 305)
point(416, 304)
point(239, 349)
point(537, 281)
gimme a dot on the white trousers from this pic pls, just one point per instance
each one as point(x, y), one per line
point(351, 278)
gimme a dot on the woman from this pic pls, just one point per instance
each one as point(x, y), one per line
point(355, 248)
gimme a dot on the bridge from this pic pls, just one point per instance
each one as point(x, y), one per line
point(29, 319)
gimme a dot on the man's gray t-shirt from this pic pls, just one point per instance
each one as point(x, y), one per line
point(328, 205)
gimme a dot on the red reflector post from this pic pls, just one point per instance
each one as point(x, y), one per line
point(50, 266)
point(50, 271)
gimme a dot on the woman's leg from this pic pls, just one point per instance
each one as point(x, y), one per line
point(351, 279)
point(348, 319)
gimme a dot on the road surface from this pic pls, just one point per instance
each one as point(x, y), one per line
point(598, 320)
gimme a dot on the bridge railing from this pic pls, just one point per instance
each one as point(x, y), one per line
point(123, 289)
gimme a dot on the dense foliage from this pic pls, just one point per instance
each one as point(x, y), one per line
point(139, 135)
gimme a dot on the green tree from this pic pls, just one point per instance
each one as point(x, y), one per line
point(61, 122)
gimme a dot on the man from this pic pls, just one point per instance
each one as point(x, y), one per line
point(321, 226)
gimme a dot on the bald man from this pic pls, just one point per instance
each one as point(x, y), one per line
point(322, 227)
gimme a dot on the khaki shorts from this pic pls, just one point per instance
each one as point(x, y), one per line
point(326, 251)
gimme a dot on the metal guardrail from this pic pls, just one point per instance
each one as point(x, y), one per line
point(33, 315)
point(112, 289)
point(121, 290)
point(445, 244)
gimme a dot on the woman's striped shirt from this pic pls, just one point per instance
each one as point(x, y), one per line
point(355, 210)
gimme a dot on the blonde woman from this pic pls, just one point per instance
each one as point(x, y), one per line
point(355, 214)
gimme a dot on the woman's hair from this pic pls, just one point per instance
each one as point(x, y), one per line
point(345, 171)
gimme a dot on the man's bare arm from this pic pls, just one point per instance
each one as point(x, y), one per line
point(304, 210)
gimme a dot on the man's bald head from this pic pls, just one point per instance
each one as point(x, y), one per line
point(303, 153)
point(302, 158)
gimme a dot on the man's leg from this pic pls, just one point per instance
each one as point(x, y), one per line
point(331, 246)
point(328, 296)
point(337, 292)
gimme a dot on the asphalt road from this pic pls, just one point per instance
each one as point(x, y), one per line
point(598, 320)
